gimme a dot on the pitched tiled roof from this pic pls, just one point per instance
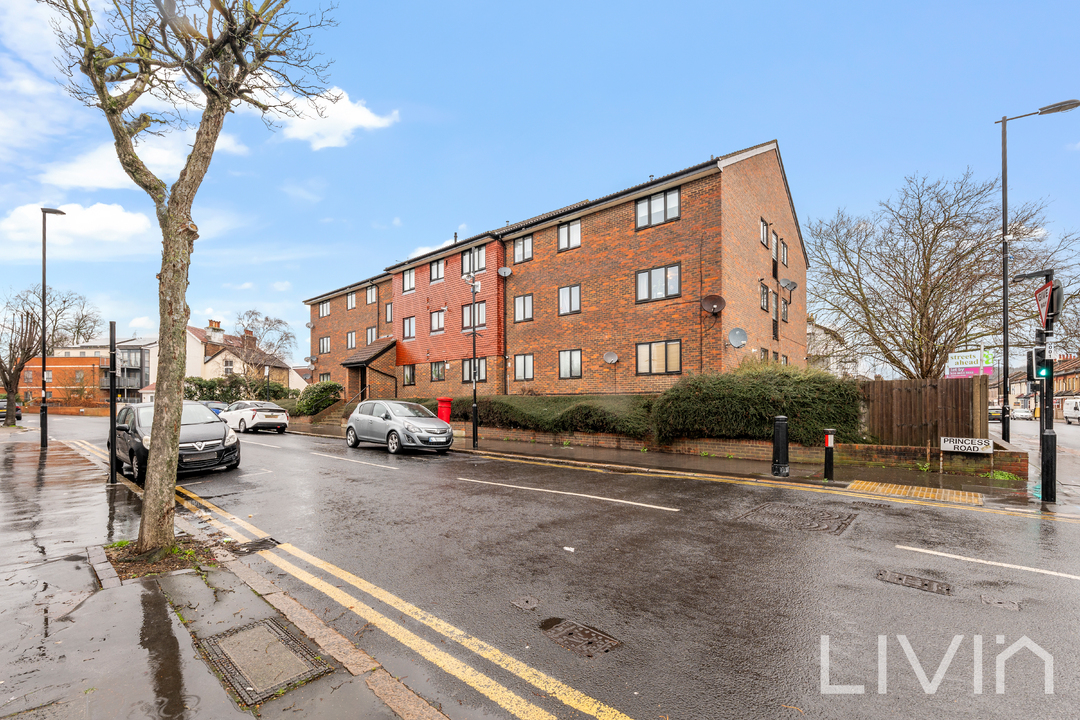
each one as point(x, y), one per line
point(200, 335)
point(351, 286)
point(365, 355)
point(234, 343)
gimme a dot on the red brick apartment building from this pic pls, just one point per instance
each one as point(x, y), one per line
point(614, 295)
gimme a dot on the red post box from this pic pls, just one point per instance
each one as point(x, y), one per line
point(444, 409)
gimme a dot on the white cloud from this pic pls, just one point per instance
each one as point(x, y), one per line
point(229, 143)
point(35, 109)
point(426, 249)
point(462, 227)
point(1074, 147)
point(308, 192)
point(396, 222)
point(339, 121)
point(241, 286)
point(95, 233)
point(282, 286)
point(140, 322)
point(25, 31)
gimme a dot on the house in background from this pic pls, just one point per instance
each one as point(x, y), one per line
point(136, 363)
point(211, 353)
point(827, 350)
point(70, 380)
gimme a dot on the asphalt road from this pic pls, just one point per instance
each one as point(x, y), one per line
point(720, 593)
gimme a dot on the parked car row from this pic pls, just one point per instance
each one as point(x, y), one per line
point(3, 409)
point(206, 442)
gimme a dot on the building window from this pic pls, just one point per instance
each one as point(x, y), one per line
point(775, 251)
point(389, 312)
point(764, 355)
point(570, 235)
point(350, 301)
point(408, 281)
point(324, 308)
point(570, 300)
point(372, 295)
point(79, 375)
point(765, 298)
point(658, 209)
point(783, 252)
point(659, 358)
point(474, 315)
point(481, 369)
point(523, 367)
point(350, 340)
point(67, 354)
point(408, 374)
point(438, 321)
point(409, 328)
point(324, 345)
point(324, 377)
point(438, 371)
point(569, 364)
point(523, 249)
point(783, 310)
point(523, 308)
point(783, 359)
point(372, 335)
point(438, 270)
point(658, 283)
point(776, 357)
point(764, 233)
point(474, 260)
point(82, 353)
point(28, 376)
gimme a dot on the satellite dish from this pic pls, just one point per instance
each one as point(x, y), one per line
point(712, 304)
point(789, 285)
point(610, 358)
point(309, 325)
point(504, 272)
point(737, 337)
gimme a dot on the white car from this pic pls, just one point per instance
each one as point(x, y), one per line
point(247, 415)
point(1021, 414)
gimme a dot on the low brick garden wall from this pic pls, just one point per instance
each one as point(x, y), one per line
point(1004, 457)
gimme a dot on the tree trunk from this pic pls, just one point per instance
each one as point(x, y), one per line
point(12, 392)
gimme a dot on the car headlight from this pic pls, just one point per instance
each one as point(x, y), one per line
point(411, 428)
point(230, 437)
point(146, 441)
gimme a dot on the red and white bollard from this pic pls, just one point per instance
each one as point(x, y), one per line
point(830, 443)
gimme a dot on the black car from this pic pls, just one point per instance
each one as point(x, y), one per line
point(3, 409)
point(206, 442)
point(994, 414)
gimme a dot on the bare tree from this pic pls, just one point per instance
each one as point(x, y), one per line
point(83, 322)
point(69, 317)
point(20, 340)
point(921, 278)
point(265, 341)
point(197, 57)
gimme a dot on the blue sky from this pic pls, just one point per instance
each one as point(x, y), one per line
point(460, 117)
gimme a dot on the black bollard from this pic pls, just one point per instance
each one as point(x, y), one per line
point(830, 443)
point(779, 447)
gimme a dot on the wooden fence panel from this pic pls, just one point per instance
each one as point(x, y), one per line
point(917, 413)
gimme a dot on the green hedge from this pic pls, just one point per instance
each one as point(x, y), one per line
point(743, 403)
point(317, 397)
point(621, 414)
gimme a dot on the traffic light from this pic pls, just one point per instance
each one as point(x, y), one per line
point(1042, 365)
point(1031, 366)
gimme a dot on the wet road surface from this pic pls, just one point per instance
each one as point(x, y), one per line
point(723, 595)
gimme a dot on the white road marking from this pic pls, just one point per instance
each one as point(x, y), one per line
point(264, 471)
point(990, 562)
point(561, 492)
point(360, 462)
point(252, 442)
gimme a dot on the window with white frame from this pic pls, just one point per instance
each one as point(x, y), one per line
point(408, 328)
point(372, 335)
point(324, 377)
point(474, 260)
point(570, 235)
point(372, 295)
point(389, 312)
point(658, 208)
point(569, 364)
point(783, 310)
point(783, 252)
point(324, 308)
point(474, 316)
point(765, 298)
point(523, 308)
point(438, 371)
point(523, 367)
point(350, 340)
point(350, 301)
point(408, 280)
point(659, 358)
point(324, 345)
point(438, 321)
point(570, 300)
point(765, 354)
point(764, 233)
point(523, 249)
point(408, 374)
point(775, 307)
point(783, 360)
point(228, 367)
point(437, 270)
point(658, 283)
point(481, 370)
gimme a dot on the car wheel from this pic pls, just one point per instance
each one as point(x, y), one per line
point(1068, 421)
point(393, 443)
point(350, 438)
point(243, 426)
point(233, 466)
point(138, 472)
point(281, 431)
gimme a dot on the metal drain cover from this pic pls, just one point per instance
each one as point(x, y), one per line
point(526, 602)
point(260, 659)
point(254, 546)
point(578, 638)
point(798, 517)
point(873, 505)
point(1006, 604)
point(915, 582)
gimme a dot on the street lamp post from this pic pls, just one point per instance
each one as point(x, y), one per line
point(1047, 110)
point(473, 286)
point(44, 422)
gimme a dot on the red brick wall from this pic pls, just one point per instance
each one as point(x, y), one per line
point(339, 322)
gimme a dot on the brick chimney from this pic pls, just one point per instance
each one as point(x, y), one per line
point(249, 339)
point(214, 333)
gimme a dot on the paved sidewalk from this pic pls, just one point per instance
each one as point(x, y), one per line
point(76, 643)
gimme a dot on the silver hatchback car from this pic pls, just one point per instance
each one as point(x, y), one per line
point(398, 424)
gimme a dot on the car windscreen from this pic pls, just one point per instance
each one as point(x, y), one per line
point(192, 415)
point(401, 409)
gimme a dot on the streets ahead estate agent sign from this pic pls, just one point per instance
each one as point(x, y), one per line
point(966, 445)
point(969, 364)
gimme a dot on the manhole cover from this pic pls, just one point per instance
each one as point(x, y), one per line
point(254, 546)
point(578, 638)
point(872, 505)
point(798, 517)
point(260, 659)
point(1006, 604)
point(915, 582)
point(526, 602)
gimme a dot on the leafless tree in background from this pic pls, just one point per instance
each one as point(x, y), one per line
point(921, 278)
point(270, 342)
point(196, 58)
point(70, 318)
point(20, 340)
